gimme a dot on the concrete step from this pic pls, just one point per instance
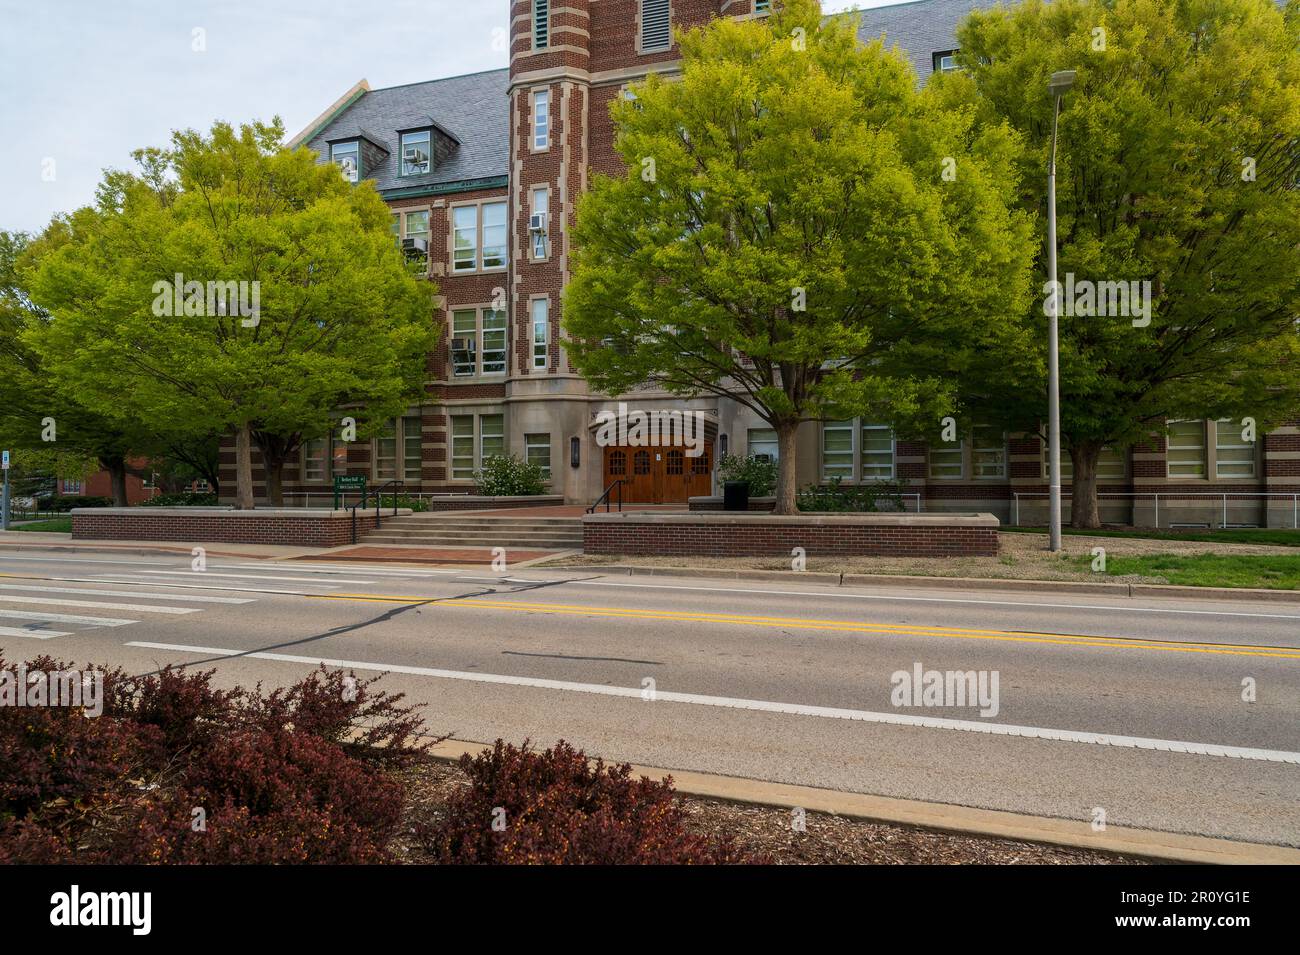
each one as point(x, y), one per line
point(477, 535)
point(513, 543)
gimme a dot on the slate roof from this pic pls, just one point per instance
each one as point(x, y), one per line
point(473, 108)
point(920, 29)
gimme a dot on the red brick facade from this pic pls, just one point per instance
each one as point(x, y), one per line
point(305, 528)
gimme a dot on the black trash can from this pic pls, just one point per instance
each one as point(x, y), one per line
point(735, 496)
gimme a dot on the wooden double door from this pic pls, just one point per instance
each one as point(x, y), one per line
point(659, 475)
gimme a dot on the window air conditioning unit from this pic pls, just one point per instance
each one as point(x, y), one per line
point(417, 245)
point(537, 223)
point(415, 157)
point(462, 344)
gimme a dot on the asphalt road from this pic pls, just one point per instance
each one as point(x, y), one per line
point(1131, 706)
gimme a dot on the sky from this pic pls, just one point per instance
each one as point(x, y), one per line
point(83, 83)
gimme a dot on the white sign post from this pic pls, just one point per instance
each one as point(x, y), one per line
point(4, 497)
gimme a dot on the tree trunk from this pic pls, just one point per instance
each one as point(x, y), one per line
point(116, 468)
point(786, 470)
point(274, 480)
point(243, 468)
point(1085, 512)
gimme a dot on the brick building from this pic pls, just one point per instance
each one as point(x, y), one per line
point(482, 172)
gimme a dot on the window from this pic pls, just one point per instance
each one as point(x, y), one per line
point(537, 450)
point(386, 452)
point(396, 227)
point(1110, 465)
point(313, 460)
point(338, 456)
point(945, 61)
point(877, 452)
point(491, 436)
point(541, 308)
point(415, 154)
point(541, 24)
point(417, 225)
point(494, 341)
point(467, 223)
point(464, 343)
point(762, 443)
point(474, 333)
point(837, 450)
point(72, 486)
point(412, 456)
point(462, 447)
point(1234, 457)
point(347, 156)
point(1185, 454)
point(762, 6)
point(538, 225)
point(541, 119)
point(945, 459)
point(656, 25)
point(989, 453)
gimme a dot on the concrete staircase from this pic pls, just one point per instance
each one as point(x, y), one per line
point(452, 529)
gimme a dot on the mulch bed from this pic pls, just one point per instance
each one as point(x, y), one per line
point(829, 839)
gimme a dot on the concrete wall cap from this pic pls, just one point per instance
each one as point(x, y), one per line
point(704, 518)
point(315, 513)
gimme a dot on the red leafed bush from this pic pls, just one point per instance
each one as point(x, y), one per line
point(556, 807)
point(177, 771)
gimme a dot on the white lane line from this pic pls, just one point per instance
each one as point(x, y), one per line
point(94, 560)
point(94, 604)
point(794, 709)
point(108, 579)
point(34, 634)
point(64, 618)
point(939, 600)
point(129, 593)
point(200, 574)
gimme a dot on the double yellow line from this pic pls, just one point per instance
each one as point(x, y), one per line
point(837, 626)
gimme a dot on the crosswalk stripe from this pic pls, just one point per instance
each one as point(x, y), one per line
point(208, 573)
point(94, 604)
point(129, 593)
point(34, 634)
point(64, 618)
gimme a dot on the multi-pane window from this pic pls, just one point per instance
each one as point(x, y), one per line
point(396, 227)
point(763, 443)
point(541, 119)
point(415, 152)
point(945, 61)
point(539, 222)
point(1234, 456)
point(386, 452)
point(347, 156)
point(877, 452)
point(537, 450)
point(412, 456)
point(464, 343)
point(837, 450)
point(1185, 454)
point(988, 453)
point(1111, 465)
point(494, 341)
point(541, 24)
point(945, 459)
point(656, 25)
point(72, 486)
point(417, 224)
point(394, 446)
point(541, 309)
point(313, 459)
point(762, 6)
point(462, 447)
point(491, 436)
point(468, 224)
point(338, 456)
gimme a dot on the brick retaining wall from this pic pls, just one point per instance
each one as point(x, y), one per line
point(761, 535)
point(714, 503)
point(476, 502)
point(296, 526)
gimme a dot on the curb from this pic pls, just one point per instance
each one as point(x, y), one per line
point(950, 583)
point(156, 550)
point(963, 820)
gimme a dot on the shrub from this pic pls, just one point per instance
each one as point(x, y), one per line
point(507, 475)
point(183, 499)
point(876, 496)
point(759, 472)
point(61, 505)
point(558, 808)
point(403, 500)
point(282, 777)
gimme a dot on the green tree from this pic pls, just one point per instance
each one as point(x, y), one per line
point(53, 432)
point(338, 321)
point(799, 228)
point(1178, 165)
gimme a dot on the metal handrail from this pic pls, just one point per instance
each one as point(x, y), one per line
point(379, 497)
point(1175, 496)
point(618, 483)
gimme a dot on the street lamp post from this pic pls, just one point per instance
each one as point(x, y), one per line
point(1059, 83)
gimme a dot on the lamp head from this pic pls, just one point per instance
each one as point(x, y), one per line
point(1060, 82)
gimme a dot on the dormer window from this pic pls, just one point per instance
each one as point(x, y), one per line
point(416, 154)
point(347, 156)
point(945, 61)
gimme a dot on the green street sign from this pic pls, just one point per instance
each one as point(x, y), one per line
point(348, 482)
